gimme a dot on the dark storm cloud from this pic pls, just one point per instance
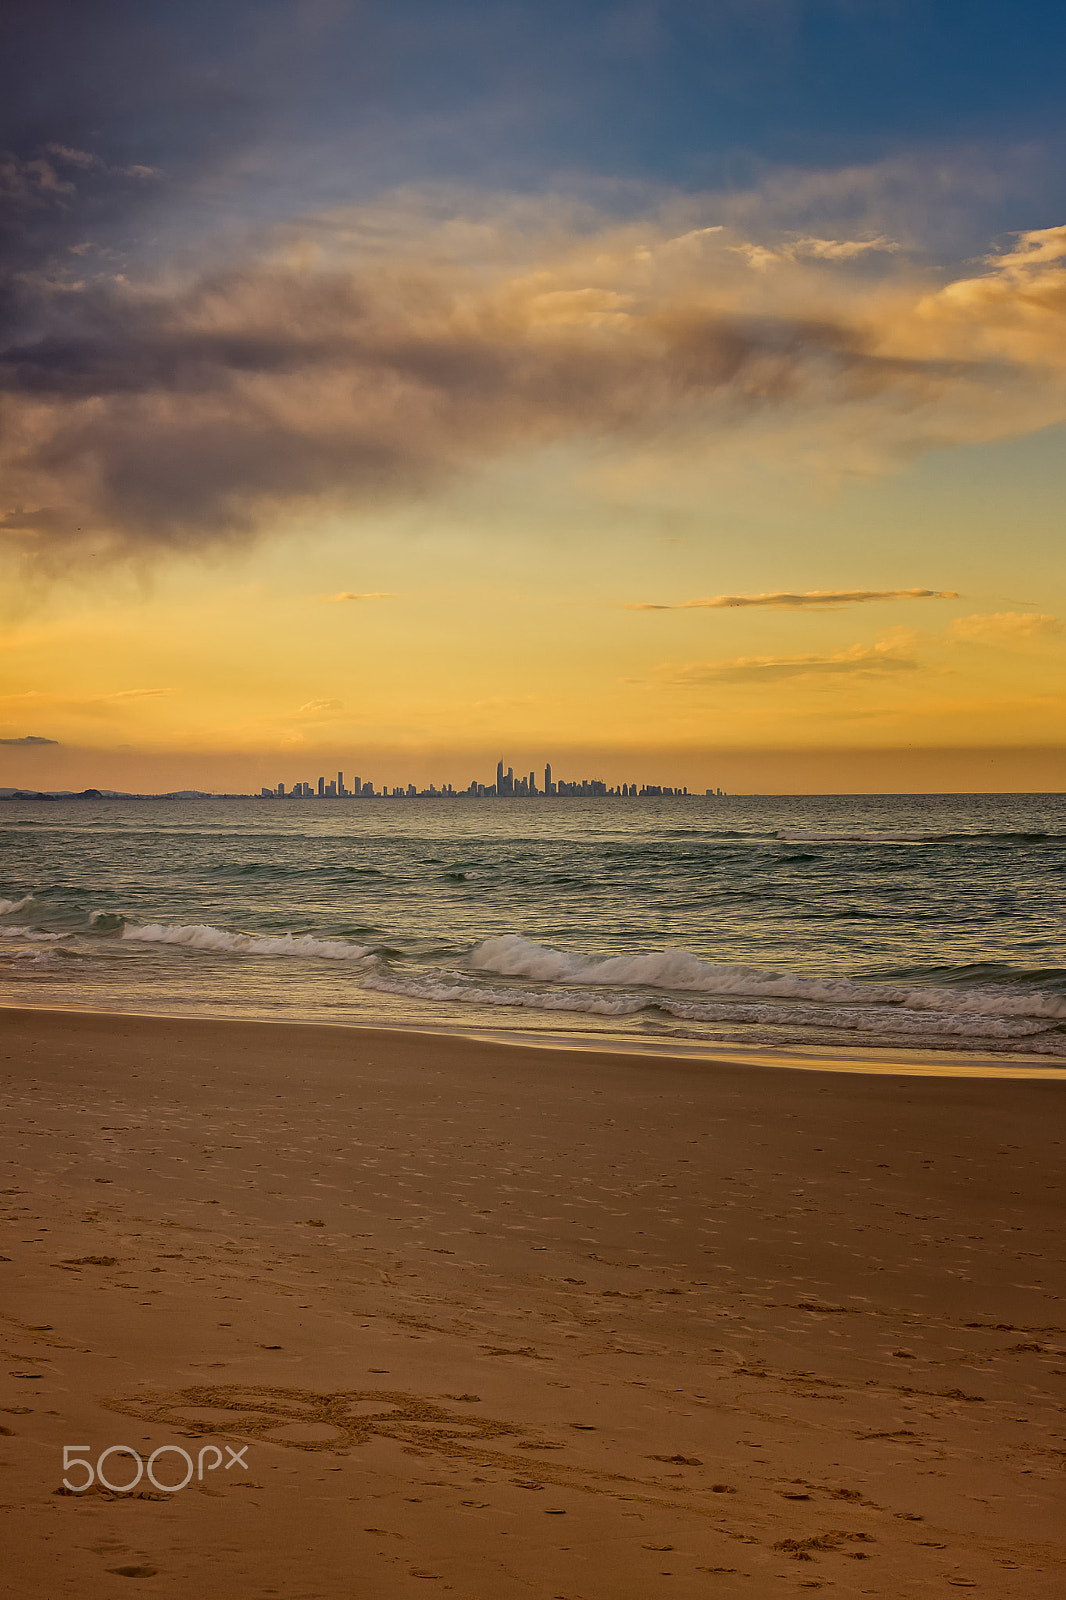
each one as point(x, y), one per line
point(167, 416)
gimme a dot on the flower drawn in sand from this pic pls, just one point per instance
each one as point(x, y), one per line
point(306, 1420)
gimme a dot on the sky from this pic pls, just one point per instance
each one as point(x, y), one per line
point(675, 392)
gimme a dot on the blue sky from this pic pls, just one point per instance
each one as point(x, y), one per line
point(519, 93)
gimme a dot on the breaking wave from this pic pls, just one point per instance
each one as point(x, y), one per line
point(7, 906)
point(513, 956)
point(200, 936)
point(106, 921)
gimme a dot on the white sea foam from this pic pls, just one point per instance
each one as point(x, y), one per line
point(200, 936)
point(7, 906)
point(866, 1019)
point(19, 931)
point(517, 957)
point(880, 1021)
point(450, 986)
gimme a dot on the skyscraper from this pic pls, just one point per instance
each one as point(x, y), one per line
point(547, 778)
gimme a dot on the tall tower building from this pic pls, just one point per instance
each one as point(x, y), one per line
point(340, 784)
point(499, 777)
point(548, 778)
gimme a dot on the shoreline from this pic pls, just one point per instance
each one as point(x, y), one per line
point(799, 1058)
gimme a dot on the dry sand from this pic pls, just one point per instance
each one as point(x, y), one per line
point(498, 1322)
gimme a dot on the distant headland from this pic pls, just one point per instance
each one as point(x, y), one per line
point(113, 794)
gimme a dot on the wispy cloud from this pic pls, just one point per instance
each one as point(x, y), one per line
point(373, 594)
point(822, 599)
point(29, 738)
point(861, 660)
point(88, 705)
point(762, 257)
point(135, 694)
point(87, 161)
point(314, 708)
point(1004, 627)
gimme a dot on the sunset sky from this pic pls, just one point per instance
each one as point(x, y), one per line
point(672, 391)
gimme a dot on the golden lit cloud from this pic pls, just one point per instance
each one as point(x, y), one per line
point(1015, 312)
point(822, 599)
point(315, 707)
point(135, 694)
point(348, 594)
point(1005, 627)
point(90, 705)
point(762, 257)
point(867, 661)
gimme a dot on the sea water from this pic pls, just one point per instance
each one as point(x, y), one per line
point(930, 923)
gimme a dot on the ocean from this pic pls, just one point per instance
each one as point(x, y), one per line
point(872, 923)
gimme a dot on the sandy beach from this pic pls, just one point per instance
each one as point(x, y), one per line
point(502, 1322)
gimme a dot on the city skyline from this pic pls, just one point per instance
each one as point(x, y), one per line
point(505, 787)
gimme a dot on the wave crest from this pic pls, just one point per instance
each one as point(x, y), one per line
point(513, 956)
point(201, 936)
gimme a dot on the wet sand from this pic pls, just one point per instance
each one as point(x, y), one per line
point(503, 1322)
